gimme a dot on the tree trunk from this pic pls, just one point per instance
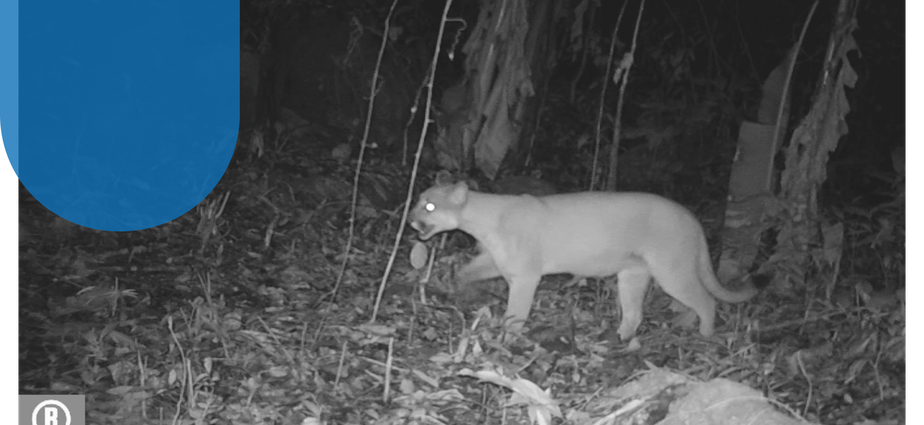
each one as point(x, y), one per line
point(505, 53)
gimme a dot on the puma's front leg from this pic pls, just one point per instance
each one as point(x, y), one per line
point(520, 298)
point(480, 268)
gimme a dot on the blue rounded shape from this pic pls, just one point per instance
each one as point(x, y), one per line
point(128, 110)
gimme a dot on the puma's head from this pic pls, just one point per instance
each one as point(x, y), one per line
point(438, 209)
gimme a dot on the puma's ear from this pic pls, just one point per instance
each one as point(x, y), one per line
point(443, 178)
point(459, 193)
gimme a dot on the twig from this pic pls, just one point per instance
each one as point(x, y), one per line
point(606, 83)
point(373, 90)
point(420, 144)
point(617, 118)
point(386, 393)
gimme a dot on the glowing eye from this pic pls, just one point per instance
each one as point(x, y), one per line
point(430, 207)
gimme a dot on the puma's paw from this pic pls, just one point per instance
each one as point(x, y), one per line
point(625, 333)
point(627, 327)
point(513, 324)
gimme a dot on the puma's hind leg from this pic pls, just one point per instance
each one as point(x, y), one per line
point(632, 285)
point(685, 287)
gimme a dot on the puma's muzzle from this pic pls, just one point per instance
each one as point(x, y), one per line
point(417, 220)
point(437, 211)
point(424, 231)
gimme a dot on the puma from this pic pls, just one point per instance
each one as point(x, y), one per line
point(635, 236)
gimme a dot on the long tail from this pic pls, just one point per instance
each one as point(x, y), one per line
point(711, 282)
